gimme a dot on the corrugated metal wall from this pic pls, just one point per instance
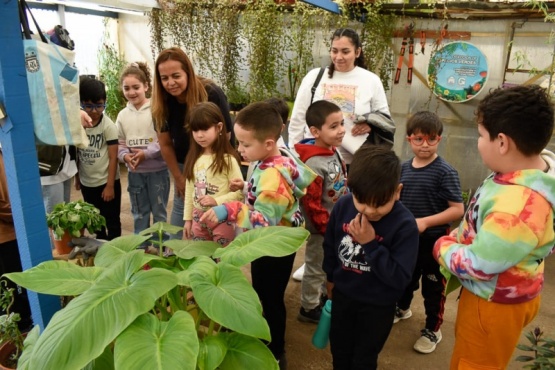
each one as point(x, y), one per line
point(458, 145)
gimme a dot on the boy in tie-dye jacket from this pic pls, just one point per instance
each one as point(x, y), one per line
point(276, 184)
point(498, 251)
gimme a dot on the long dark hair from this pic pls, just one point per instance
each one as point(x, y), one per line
point(193, 94)
point(355, 40)
point(204, 116)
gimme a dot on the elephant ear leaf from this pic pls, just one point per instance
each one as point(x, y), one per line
point(272, 241)
point(57, 278)
point(118, 297)
point(149, 343)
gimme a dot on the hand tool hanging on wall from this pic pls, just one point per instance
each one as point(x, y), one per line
point(422, 41)
point(401, 57)
point(411, 52)
point(408, 38)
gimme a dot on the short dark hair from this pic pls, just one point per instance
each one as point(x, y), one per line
point(262, 118)
point(374, 174)
point(524, 113)
point(281, 105)
point(318, 112)
point(427, 123)
point(91, 89)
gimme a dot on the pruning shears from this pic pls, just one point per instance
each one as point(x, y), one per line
point(408, 38)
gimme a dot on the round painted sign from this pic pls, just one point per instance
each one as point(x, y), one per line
point(457, 72)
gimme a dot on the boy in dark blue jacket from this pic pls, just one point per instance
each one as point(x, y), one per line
point(369, 256)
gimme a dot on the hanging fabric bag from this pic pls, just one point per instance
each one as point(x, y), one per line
point(53, 88)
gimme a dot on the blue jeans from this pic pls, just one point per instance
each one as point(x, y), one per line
point(56, 193)
point(178, 210)
point(148, 193)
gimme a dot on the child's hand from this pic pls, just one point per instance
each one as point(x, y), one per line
point(236, 184)
point(86, 120)
point(108, 193)
point(209, 216)
point(361, 229)
point(128, 158)
point(187, 234)
point(138, 156)
point(207, 201)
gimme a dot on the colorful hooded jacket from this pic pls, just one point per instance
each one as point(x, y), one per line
point(329, 186)
point(498, 251)
point(274, 189)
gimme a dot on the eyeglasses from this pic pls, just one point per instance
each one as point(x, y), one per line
point(419, 140)
point(90, 107)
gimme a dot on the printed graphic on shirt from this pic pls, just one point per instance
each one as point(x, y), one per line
point(351, 254)
point(338, 182)
point(92, 152)
point(139, 142)
point(342, 95)
point(202, 187)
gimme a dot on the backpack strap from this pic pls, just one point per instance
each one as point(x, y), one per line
point(316, 82)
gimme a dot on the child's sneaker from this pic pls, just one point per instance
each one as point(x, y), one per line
point(312, 316)
point(401, 315)
point(428, 341)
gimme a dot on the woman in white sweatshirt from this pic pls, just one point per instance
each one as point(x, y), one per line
point(347, 83)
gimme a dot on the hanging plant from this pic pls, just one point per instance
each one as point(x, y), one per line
point(273, 41)
point(110, 67)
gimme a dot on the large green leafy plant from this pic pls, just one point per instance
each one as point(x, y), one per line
point(140, 311)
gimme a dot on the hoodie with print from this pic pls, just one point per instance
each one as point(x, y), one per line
point(328, 187)
point(274, 189)
point(136, 130)
point(498, 250)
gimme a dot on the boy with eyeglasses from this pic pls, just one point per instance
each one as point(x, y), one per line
point(432, 192)
point(98, 171)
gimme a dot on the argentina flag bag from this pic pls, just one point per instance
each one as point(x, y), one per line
point(53, 88)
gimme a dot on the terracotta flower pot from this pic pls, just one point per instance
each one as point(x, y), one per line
point(6, 351)
point(61, 245)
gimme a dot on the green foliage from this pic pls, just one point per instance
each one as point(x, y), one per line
point(274, 41)
point(543, 351)
point(110, 67)
point(9, 330)
point(73, 217)
point(137, 310)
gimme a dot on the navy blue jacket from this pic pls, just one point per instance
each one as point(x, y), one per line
point(377, 272)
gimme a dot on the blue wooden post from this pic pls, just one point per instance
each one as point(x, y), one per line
point(20, 157)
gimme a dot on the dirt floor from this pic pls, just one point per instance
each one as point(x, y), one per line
point(398, 353)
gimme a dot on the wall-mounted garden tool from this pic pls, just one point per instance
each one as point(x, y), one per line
point(408, 38)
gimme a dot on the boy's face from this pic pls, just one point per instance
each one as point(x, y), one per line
point(374, 213)
point(488, 149)
point(332, 131)
point(424, 146)
point(94, 109)
point(252, 149)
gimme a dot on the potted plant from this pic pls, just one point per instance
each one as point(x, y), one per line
point(137, 310)
point(69, 220)
point(11, 338)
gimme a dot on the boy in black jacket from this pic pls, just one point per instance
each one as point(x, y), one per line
point(369, 256)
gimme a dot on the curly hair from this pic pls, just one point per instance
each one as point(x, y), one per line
point(523, 113)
